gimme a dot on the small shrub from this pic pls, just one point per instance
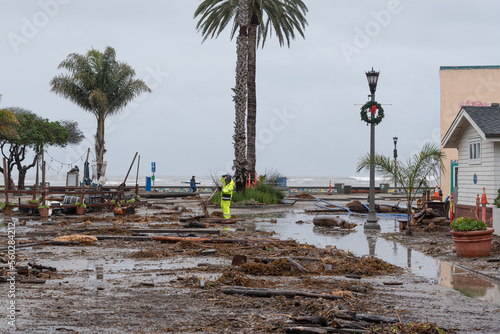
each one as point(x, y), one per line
point(467, 224)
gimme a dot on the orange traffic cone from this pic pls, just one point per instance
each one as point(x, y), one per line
point(436, 192)
point(484, 200)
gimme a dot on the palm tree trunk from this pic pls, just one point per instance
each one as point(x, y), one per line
point(252, 100)
point(240, 98)
point(99, 144)
point(408, 224)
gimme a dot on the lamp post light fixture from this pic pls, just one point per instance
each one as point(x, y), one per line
point(395, 163)
point(371, 221)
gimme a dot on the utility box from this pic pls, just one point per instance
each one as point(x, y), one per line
point(72, 179)
point(148, 183)
point(384, 188)
point(347, 190)
point(339, 187)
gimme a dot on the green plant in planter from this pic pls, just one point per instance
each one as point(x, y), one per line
point(83, 205)
point(8, 205)
point(467, 224)
point(130, 201)
point(33, 201)
point(43, 207)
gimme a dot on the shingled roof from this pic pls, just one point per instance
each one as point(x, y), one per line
point(486, 118)
point(486, 121)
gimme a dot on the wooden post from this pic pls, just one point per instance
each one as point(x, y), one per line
point(477, 207)
point(126, 176)
point(137, 176)
point(5, 181)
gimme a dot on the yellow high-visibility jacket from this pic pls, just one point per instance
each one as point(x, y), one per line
point(227, 189)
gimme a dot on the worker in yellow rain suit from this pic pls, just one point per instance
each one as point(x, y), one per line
point(227, 193)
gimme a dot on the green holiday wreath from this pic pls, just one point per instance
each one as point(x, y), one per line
point(372, 106)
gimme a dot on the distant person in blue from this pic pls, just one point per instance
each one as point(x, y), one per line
point(192, 184)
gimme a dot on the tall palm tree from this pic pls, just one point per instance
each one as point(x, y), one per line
point(412, 176)
point(283, 16)
point(100, 84)
point(240, 90)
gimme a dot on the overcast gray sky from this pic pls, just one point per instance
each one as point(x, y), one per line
point(308, 95)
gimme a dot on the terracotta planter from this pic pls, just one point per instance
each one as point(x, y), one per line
point(7, 211)
point(80, 210)
point(44, 213)
point(473, 243)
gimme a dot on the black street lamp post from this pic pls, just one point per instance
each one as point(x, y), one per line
point(395, 163)
point(371, 221)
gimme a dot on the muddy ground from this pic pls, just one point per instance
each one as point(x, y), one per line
point(122, 285)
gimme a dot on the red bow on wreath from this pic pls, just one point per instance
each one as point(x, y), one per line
point(373, 110)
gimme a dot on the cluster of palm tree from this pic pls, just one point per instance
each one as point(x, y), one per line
point(255, 21)
point(98, 83)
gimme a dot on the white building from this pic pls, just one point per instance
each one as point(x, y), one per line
point(475, 133)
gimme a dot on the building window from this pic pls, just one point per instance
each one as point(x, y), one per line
point(475, 151)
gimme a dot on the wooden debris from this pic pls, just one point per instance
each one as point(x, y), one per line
point(196, 239)
point(316, 330)
point(157, 230)
point(365, 317)
point(287, 259)
point(210, 251)
point(296, 265)
point(332, 221)
point(196, 224)
point(314, 320)
point(267, 293)
point(191, 218)
point(305, 330)
point(33, 281)
point(124, 211)
point(165, 212)
point(40, 266)
point(238, 260)
point(81, 238)
point(220, 220)
point(393, 283)
point(124, 237)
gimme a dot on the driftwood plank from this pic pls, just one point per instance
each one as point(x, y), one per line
point(33, 281)
point(305, 330)
point(296, 265)
point(123, 237)
point(196, 239)
point(261, 292)
point(314, 320)
point(186, 219)
point(220, 220)
point(321, 330)
point(365, 317)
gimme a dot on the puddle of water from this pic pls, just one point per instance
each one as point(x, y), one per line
point(363, 243)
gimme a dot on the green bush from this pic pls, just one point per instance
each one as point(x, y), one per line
point(264, 194)
point(467, 224)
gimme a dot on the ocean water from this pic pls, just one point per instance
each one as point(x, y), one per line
point(206, 181)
